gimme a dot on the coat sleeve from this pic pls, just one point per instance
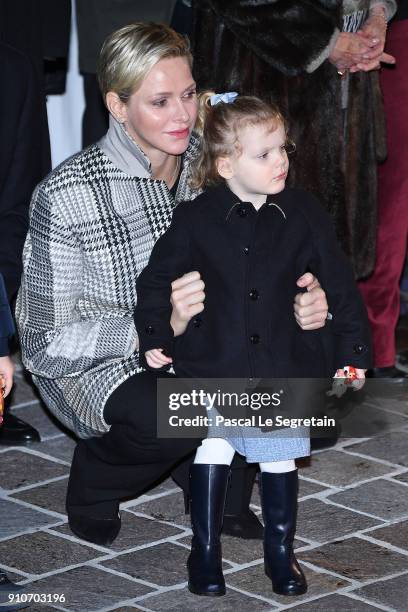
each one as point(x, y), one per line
point(56, 339)
point(292, 36)
point(170, 259)
point(350, 326)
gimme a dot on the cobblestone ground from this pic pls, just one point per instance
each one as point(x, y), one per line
point(352, 537)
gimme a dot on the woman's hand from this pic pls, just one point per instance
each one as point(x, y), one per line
point(187, 299)
point(374, 33)
point(350, 49)
point(6, 374)
point(310, 308)
point(156, 359)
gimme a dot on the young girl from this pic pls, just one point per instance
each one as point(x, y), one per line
point(250, 238)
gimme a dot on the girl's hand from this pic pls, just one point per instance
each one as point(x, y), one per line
point(310, 308)
point(187, 299)
point(156, 359)
point(6, 374)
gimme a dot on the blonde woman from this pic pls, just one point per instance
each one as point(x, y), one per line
point(93, 223)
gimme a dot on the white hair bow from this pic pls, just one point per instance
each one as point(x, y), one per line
point(228, 97)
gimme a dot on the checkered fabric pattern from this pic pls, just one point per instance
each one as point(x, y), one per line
point(92, 228)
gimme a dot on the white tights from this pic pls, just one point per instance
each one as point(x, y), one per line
point(217, 451)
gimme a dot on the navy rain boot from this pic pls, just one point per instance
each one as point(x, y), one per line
point(208, 489)
point(279, 494)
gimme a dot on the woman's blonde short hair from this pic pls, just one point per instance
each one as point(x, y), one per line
point(128, 54)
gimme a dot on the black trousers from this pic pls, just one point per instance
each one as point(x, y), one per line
point(131, 458)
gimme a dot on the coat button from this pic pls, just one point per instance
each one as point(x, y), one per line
point(241, 211)
point(359, 348)
point(255, 338)
point(246, 250)
point(197, 322)
point(254, 294)
point(149, 330)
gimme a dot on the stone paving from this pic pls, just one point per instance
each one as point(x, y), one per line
point(352, 537)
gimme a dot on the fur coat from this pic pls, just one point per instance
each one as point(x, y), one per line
point(278, 50)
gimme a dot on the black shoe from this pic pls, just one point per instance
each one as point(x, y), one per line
point(8, 588)
point(245, 526)
point(402, 359)
point(239, 520)
point(208, 486)
point(16, 432)
point(329, 438)
point(97, 531)
point(279, 507)
point(389, 374)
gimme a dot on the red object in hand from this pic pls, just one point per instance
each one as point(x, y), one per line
point(1, 405)
point(351, 373)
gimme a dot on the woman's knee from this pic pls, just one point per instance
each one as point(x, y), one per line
point(132, 412)
point(134, 402)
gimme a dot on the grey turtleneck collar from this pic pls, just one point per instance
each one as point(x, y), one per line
point(123, 151)
point(126, 154)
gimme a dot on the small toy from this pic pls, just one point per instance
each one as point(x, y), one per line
point(351, 374)
point(341, 382)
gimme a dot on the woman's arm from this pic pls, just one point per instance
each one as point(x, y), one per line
point(310, 307)
point(388, 6)
point(56, 340)
point(170, 259)
point(187, 299)
point(293, 36)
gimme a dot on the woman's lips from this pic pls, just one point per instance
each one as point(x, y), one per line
point(281, 176)
point(180, 133)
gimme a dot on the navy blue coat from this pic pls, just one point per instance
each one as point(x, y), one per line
point(6, 321)
point(250, 262)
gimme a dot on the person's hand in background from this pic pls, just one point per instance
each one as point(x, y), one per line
point(374, 32)
point(349, 50)
point(6, 381)
point(6, 374)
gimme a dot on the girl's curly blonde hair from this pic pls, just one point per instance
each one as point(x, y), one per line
point(219, 127)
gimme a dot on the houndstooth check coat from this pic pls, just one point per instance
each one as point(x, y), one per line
point(93, 223)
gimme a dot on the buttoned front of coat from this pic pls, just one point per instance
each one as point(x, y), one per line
point(250, 261)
